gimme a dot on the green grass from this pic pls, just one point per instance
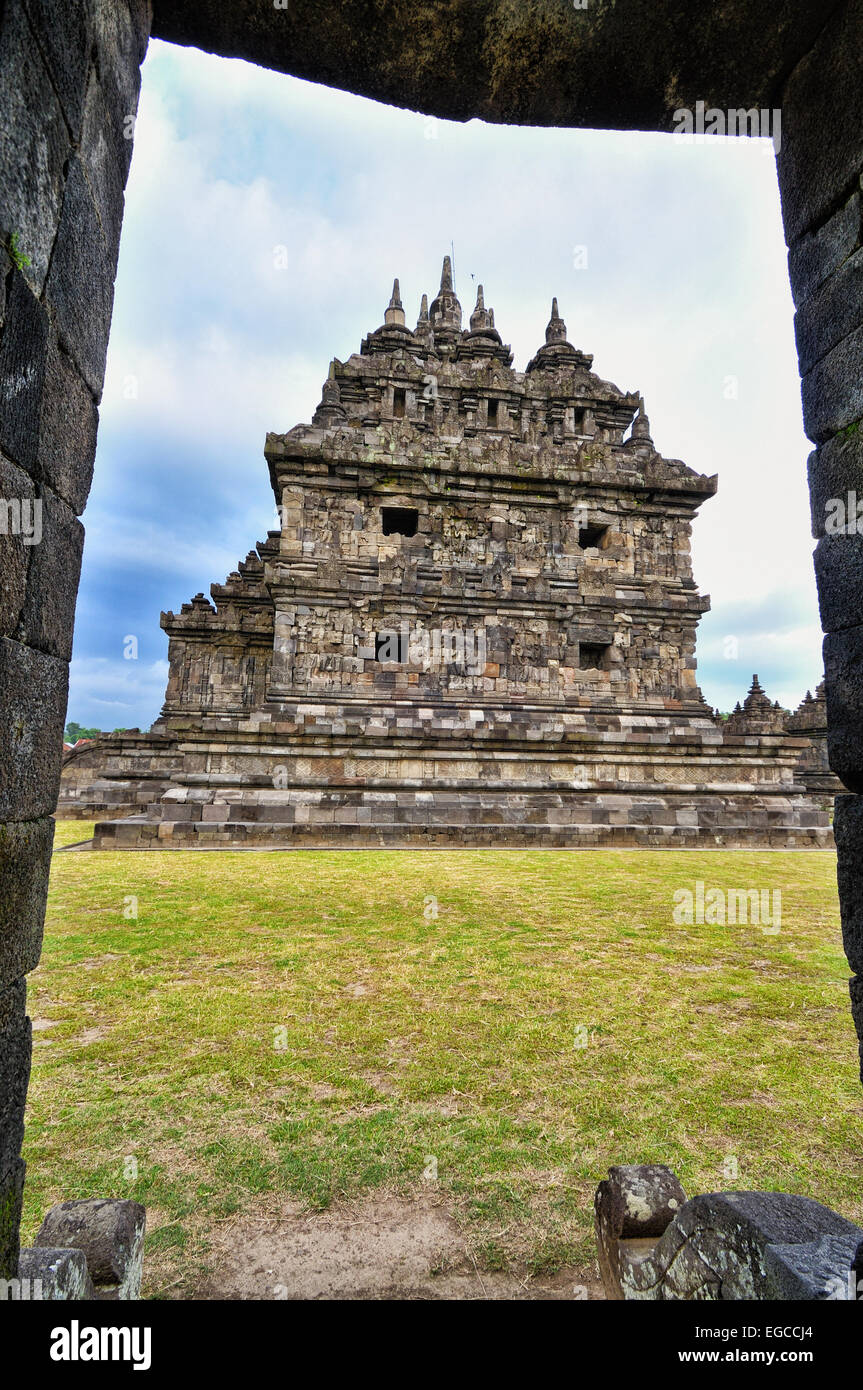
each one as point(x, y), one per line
point(72, 832)
point(293, 1026)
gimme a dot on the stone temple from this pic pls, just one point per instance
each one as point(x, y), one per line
point(475, 626)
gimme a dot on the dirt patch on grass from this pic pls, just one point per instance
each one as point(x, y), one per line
point(385, 1247)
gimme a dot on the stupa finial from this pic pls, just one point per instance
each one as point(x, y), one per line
point(423, 330)
point(641, 424)
point(445, 310)
point(482, 319)
point(395, 310)
point(556, 330)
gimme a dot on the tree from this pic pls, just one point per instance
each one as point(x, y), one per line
point(75, 731)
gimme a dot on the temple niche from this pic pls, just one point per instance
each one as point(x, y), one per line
point(475, 624)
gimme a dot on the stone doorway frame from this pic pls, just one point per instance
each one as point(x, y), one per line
point(69, 83)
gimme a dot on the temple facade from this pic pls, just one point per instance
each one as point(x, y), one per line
point(475, 625)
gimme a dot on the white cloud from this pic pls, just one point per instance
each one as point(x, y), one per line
point(116, 694)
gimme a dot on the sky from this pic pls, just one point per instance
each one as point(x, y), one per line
point(265, 220)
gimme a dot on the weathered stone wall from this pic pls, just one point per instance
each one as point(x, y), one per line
point(495, 571)
point(69, 78)
point(621, 66)
point(120, 774)
point(219, 657)
point(820, 169)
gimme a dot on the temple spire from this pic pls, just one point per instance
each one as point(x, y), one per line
point(445, 310)
point(482, 338)
point(481, 319)
point(330, 411)
point(395, 310)
point(557, 351)
point(423, 329)
point(641, 424)
point(556, 329)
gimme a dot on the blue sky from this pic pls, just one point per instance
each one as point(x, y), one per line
point(265, 221)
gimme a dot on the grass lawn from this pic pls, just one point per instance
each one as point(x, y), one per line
point(312, 1025)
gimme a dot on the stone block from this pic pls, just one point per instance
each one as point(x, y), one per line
point(818, 254)
point(64, 34)
point(67, 429)
point(836, 475)
point(848, 830)
point(48, 614)
point(122, 33)
point(54, 1276)
point(16, 493)
point(15, 1052)
point(11, 1200)
point(833, 390)
point(832, 312)
point(819, 158)
point(839, 571)
point(5, 267)
point(634, 1202)
point(25, 863)
point(843, 677)
point(34, 144)
point(104, 154)
point(13, 1004)
point(23, 358)
point(765, 1246)
point(856, 990)
point(33, 692)
point(82, 257)
point(111, 1235)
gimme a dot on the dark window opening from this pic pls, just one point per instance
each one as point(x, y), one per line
point(592, 536)
point(391, 646)
point(399, 398)
point(399, 521)
point(492, 412)
point(592, 655)
point(578, 421)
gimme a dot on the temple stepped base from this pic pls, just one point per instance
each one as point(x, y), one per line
point(195, 819)
point(615, 792)
point(135, 834)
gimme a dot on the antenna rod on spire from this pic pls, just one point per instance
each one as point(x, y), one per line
point(452, 261)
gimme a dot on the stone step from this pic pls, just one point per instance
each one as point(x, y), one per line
point(142, 833)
